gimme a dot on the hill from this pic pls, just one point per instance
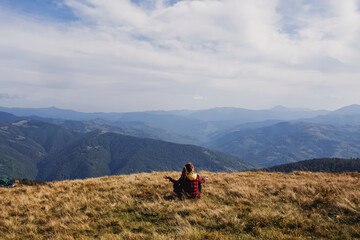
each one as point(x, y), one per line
point(99, 154)
point(247, 205)
point(333, 165)
point(348, 110)
point(291, 142)
point(25, 143)
point(132, 128)
point(43, 151)
point(7, 117)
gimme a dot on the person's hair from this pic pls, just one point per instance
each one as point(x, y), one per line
point(188, 168)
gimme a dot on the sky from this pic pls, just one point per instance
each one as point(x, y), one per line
point(136, 55)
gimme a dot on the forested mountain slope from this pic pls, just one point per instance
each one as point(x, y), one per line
point(39, 150)
point(333, 165)
point(291, 142)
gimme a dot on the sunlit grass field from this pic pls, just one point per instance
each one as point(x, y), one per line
point(245, 205)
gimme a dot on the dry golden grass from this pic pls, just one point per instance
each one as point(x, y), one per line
point(246, 205)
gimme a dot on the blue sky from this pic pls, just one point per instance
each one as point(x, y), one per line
point(57, 10)
point(122, 55)
point(46, 9)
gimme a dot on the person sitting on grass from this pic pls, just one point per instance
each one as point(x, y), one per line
point(189, 184)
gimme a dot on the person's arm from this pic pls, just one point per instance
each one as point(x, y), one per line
point(170, 179)
point(202, 180)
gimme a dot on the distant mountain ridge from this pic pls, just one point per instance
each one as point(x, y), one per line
point(246, 115)
point(348, 110)
point(132, 128)
point(213, 114)
point(190, 126)
point(333, 165)
point(288, 142)
point(44, 151)
point(7, 117)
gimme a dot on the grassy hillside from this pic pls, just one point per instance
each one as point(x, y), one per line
point(246, 205)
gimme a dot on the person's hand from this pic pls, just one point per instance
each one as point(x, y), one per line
point(166, 177)
point(205, 178)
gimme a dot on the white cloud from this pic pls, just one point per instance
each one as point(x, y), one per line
point(199, 98)
point(136, 57)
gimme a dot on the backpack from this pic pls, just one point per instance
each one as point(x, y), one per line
point(5, 182)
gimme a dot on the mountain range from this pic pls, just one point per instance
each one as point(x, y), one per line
point(241, 115)
point(194, 127)
point(288, 142)
point(38, 150)
point(55, 138)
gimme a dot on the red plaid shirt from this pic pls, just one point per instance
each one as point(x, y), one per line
point(191, 187)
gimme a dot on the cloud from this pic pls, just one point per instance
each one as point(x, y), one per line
point(155, 54)
point(7, 96)
point(199, 98)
